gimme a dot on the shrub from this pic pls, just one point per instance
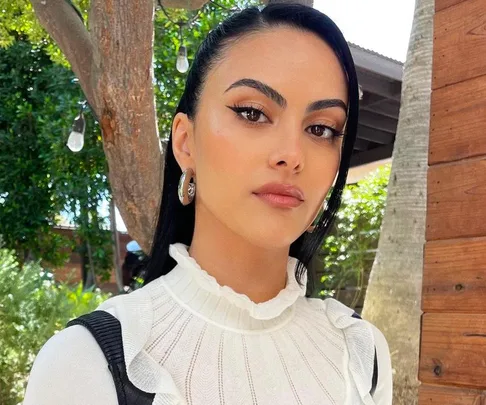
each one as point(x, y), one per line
point(348, 252)
point(33, 307)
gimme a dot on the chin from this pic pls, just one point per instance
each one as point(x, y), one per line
point(274, 238)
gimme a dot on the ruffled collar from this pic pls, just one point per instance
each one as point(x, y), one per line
point(190, 282)
point(135, 312)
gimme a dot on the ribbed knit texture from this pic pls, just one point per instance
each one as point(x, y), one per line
point(210, 345)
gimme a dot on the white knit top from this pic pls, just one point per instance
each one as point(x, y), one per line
point(193, 342)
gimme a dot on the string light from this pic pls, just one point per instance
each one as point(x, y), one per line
point(182, 62)
point(76, 138)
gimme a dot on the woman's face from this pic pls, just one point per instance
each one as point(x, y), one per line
point(269, 115)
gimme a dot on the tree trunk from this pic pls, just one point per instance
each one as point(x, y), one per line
point(394, 292)
point(113, 62)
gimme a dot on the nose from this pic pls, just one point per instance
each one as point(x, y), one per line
point(288, 154)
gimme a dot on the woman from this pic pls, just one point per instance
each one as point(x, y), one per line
point(265, 128)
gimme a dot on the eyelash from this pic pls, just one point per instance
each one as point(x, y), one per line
point(238, 109)
point(241, 109)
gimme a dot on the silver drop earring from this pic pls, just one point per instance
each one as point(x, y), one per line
point(187, 188)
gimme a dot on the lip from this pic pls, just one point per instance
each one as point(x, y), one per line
point(280, 195)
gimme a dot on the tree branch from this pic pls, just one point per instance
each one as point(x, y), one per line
point(62, 22)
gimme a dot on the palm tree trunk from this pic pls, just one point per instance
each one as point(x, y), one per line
point(393, 296)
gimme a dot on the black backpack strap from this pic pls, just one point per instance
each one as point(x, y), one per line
point(106, 329)
point(374, 380)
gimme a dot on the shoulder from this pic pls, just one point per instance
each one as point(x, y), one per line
point(70, 368)
point(341, 317)
point(362, 339)
point(328, 309)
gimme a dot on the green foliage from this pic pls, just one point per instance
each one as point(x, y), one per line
point(348, 253)
point(18, 22)
point(17, 18)
point(32, 308)
point(40, 176)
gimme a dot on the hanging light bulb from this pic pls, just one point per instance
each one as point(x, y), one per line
point(76, 137)
point(182, 63)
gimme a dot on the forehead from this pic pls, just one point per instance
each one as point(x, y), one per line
point(297, 63)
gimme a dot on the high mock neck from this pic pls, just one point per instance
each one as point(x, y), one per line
point(201, 293)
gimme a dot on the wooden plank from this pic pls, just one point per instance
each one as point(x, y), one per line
point(458, 110)
point(456, 200)
point(453, 350)
point(433, 395)
point(459, 43)
point(454, 278)
point(443, 4)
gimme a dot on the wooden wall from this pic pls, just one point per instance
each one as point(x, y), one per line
point(453, 341)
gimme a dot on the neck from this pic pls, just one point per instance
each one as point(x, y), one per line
point(259, 273)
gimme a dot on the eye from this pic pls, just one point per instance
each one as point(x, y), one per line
point(323, 131)
point(252, 114)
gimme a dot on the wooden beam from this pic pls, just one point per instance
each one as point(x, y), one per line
point(372, 155)
point(387, 108)
point(456, 200)
point(379, 122)
point(370, 99)
point(361, 144)
point(460, 43)
point(453, 350)
point(454, 275)
point(375, 135)
point(457, 121)
point(373, 83)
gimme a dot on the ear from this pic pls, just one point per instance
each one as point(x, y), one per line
point(183, 141)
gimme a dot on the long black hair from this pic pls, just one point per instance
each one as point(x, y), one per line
point(175, 221)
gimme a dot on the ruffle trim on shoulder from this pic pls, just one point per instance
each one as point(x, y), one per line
point(134, 311)
point(360, 342)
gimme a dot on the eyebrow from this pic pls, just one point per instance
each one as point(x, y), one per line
point(274, 95)
point(329, 103)
point(262, 88)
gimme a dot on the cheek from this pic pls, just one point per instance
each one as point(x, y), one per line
point(224, 158)
point(322, 166)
